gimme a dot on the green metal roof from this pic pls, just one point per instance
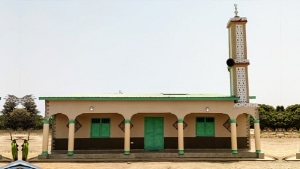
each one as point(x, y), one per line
point(142, 97)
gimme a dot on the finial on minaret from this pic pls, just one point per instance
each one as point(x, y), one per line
point(235, 11)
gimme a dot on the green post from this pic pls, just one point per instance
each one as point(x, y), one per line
point(25, 150)
point(14, 150)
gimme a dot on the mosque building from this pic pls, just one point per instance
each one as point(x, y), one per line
point(167, 122)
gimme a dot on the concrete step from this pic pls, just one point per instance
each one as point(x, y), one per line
point(153, 155)
point(142, 155)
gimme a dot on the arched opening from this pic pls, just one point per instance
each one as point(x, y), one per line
point(99, 131)
point(207, 131)
point(59, 125)
point(154, 131)
point(243, 131)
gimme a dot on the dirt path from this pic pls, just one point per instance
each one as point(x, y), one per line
point(275, 147)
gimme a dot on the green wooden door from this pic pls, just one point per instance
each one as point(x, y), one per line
point(105, 128)
point(200, 126)
point(100, 127)
point(95, 130)
point(210, 126)
point(205, 126)
point(154, 133)
point(95, 127)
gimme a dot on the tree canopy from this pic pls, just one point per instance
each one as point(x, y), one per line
point(29, 104)
point(20, 113)
point(279, 117)
point(11, 102)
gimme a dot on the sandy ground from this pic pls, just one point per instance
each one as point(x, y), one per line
point(279, 148)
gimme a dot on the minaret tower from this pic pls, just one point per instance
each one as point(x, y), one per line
point(238, 62)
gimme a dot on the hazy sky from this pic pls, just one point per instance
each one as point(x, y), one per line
point(86, 47)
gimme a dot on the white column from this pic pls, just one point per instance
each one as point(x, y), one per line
point(71, 137)
point(45, 137)
point(233, 136)
point(180, 137)
point(257, 136)
point(127, 137)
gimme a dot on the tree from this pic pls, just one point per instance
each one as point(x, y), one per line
point(266, 116)
point(25, 117)
point(39, 122)
point(1, 122)
point(294, 115)
point(279, 117)
point(293, 108)
point(280, 109)
point(19, 118)
point(28, 103)
point(291, 119)
point(10, 104)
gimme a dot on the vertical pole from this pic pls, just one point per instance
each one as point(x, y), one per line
point(127, 137)
point(45, 137)
point(71, 137)
point(180, 137)
point(257, 136)
point(233, 136)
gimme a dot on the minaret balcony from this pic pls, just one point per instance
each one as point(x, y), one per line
point(245, 61)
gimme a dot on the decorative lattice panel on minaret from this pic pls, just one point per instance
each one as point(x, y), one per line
point(239, 42)
point(241, 84)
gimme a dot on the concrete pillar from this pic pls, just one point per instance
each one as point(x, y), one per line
point(180, 137)
point(233, 136)
point(257, 136)
point(71, 137)
point(45, 137)
point(127, 137)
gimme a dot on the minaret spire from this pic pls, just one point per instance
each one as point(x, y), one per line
point(235, 11)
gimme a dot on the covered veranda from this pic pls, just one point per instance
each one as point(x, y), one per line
point(129, 106)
